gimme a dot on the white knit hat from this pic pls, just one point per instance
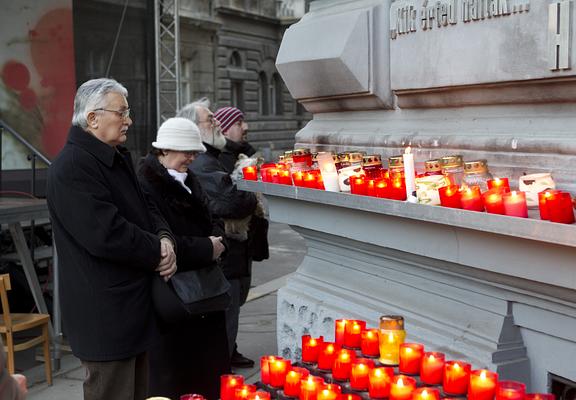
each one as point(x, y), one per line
point(179, 134)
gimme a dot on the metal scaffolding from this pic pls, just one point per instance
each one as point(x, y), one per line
point(167, 49)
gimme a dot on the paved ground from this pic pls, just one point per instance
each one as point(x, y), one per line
point(257, 334)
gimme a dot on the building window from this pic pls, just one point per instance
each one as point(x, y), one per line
point(237, 94)
point(263, 94)
point(278, 98)
point(186, 82)
point(235, 60)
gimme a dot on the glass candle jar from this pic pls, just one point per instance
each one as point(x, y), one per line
point(432, 167)
point(372, 166)
point(396, 167)
point(391, 336)
point(453, 169)
point(301, 159)
point(476, 174)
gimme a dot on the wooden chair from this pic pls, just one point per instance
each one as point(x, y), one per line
point(11, 323)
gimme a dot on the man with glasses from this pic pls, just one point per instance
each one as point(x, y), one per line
point(234, 206)
point(111, 243)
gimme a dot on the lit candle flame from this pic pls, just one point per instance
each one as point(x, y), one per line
point(456, 366)
point(361, 367)
point(483, 375)
point(424, 394)
point(330, 348)
point(312, 342)
point(390, 337)
point(407, 150)
point(344, 356)
point(408, 350)
point(378, 373)
point(431, 357)
point(400, 382)
point(370, 334)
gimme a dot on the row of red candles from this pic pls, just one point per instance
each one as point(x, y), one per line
point(554, 205)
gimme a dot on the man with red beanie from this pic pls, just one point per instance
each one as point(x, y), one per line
point(235, 129)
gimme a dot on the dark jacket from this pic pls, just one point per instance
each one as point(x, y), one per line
point(226, 202)
point(202, 338)
point(229, 155)
point(188, 215)
point(107, 237)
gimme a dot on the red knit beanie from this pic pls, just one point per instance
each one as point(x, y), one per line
point(227, 116)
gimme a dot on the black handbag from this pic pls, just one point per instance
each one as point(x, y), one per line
point(190, 293)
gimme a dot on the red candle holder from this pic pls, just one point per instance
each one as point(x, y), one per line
point(382, 186)
point(426, 393)
point(540, 396)
point(379, 381)
point(471, 199)
point(327, 355)
point(309, 180)
point(265, 171)
point(499, 183)
point(298, 178)
point(329, 391)
point(278, 371)
point(353, 333)
point(340, 330)
point(250, 173)
point(432, 368)
point(242, 392)
point(482, 385)
point(510, 390)
point(358, 185)
point(560, 208)
point(349, 396)
point(228, 385)
point(397, 188)
point(293, 379)
point(311, 348)
point(310, 386)
point(456, 377)
point(450, 196)
point(265, 368)
point(359, 372)
point(258, 395)
point(402, 387)
point(369, 343)
point(410, 358)
point(515, 204)
point(493, 201)
point(543, 197)
point(342, 364)
point(285, 177)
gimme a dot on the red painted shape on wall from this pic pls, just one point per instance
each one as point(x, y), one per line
point(15, 75)
point(52, 50)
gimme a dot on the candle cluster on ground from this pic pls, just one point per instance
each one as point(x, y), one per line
point(327, 171)
point(350, 369)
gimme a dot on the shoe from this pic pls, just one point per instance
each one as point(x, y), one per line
point(239, 361)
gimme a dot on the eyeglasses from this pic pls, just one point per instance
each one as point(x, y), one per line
point(121, 113)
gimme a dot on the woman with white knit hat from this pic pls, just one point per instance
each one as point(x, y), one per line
point(191, 355)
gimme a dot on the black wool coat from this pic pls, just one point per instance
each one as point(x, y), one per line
point(107, 237)
point(190, 356)
point(226, 201)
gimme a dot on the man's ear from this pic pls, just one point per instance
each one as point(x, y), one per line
point(92, 120)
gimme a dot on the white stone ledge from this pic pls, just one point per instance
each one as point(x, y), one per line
point(526, 228)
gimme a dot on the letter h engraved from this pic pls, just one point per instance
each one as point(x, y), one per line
point(559, 31)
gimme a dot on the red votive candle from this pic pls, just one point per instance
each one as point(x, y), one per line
point(265, 368)
point(543, 197)
point(358, 185)
point(285, 178)
point(298, 178)
point(228, 385)
point(499, 183)
point(456, 377)
point(340, 330)
point(510, 390)
point(349, 396)
point(353, 333)
point(342, 364)
point(293, 379)
point(381, 189)
point(482, 385)
point(327, 355)
point(540, 396)
point(359, 373)
point(309, 180)
point(369, 343)
point(493, 201)
point(397, 188)
point(258, 395)
point(265, 171)
point(515, 204)
point(329, 391)
point(311, 348)
point(379, 381)
point(278, 371)
point(450, 196)
point(410, 358)
point(426, 393)
point(402, 387)
point(310, 386)
point(560, 208)
point(242, 392)
point(250, 173)
point(471, 199)
point(432, 368)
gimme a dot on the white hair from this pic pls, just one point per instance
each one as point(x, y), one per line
point(90, 96)
point(189, 110)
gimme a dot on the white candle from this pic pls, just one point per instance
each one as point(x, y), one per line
point(409, 175)
point(328, 171)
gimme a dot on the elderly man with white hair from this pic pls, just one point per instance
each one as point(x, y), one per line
point(112, 242)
